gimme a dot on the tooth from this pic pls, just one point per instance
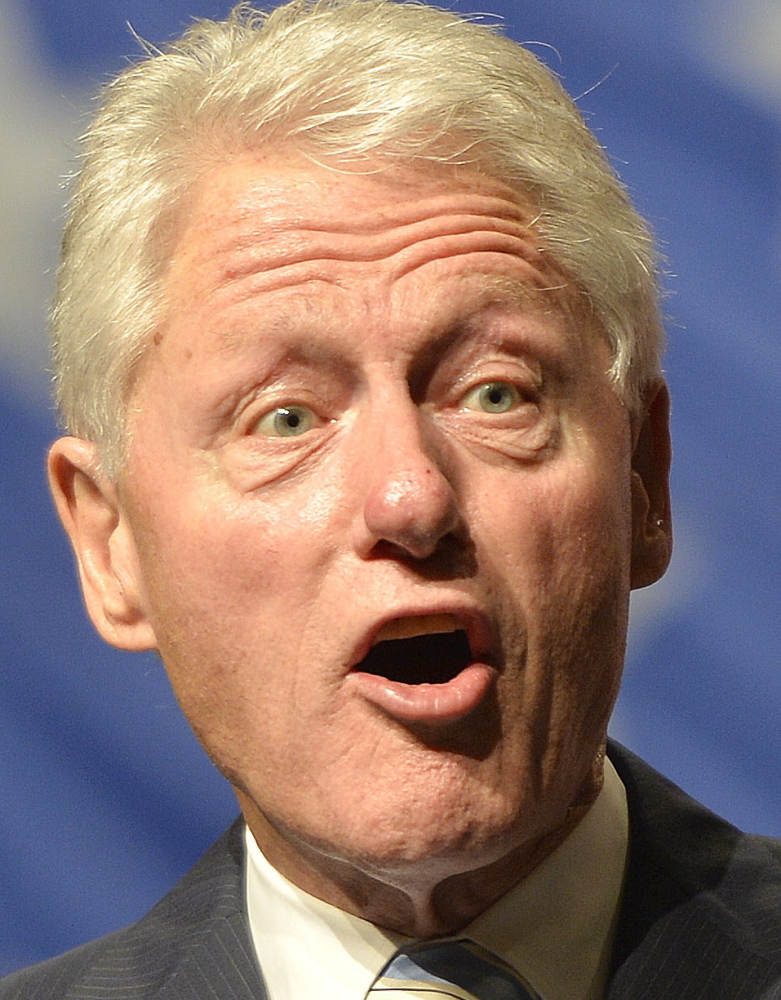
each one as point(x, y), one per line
point(406, 628)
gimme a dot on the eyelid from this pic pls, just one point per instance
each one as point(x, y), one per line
point(493, 363)
point(528, 385)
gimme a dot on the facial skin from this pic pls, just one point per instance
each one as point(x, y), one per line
point(367, 415)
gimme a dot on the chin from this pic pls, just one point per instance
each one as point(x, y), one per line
point(435, 844)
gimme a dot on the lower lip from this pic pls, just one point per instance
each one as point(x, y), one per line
point(435, 704)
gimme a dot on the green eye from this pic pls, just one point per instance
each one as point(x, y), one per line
point(492, 397)
point(286, 421)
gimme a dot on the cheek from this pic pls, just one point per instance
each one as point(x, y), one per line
point(587, 606)
point(229, 609)
point(591, 536)
point(220, 553)
point(228, 595)
point(561, 558)
point(563, 524)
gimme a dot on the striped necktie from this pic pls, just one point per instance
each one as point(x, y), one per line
point(459, 969)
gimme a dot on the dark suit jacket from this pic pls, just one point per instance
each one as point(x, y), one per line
point(701, 919)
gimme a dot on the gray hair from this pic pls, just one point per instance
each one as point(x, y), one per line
point(346, 82)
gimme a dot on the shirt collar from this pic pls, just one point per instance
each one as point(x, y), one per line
point(556, 926)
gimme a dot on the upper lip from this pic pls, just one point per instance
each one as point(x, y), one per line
point(476, 625)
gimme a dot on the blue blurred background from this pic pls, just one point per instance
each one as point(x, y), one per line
point(106, 797)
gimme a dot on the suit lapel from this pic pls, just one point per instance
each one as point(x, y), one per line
point(194, 945)
point(218, 966)
point(701, 900)
point(216, 957)
point(686, 956)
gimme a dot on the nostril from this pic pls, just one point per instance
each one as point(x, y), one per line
point(412, 511)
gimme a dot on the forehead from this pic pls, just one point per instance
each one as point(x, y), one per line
point(269, 242)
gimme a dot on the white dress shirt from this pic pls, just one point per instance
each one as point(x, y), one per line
point(556, 926)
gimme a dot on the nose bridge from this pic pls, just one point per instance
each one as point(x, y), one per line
point(409, 500)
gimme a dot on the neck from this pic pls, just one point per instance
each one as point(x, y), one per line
point(434, 899)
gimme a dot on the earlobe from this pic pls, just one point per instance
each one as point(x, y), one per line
point(89, 508)
point(651, 512)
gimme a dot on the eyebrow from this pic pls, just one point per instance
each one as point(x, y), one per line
point(508, 293)
point(496, 292)
point(504, 290)
point(298, 323)
point(301, 331)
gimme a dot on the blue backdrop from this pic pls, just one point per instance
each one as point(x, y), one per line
point(106, 798)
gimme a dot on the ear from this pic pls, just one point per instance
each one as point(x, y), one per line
point(91, 513)
point(652, 539)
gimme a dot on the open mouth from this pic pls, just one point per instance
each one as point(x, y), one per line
point(429, 669)
point(431, 658)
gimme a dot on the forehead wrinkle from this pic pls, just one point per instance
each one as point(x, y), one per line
point(279, 215)
point(302, 265)
point(282, 243)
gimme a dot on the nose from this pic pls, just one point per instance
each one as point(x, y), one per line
point(410, 503)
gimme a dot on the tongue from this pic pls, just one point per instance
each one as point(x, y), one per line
point(434, 658)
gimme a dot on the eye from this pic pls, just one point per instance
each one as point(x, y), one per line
point(492, 397)
point(286, 421)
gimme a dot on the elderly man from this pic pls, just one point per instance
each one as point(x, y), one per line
point(357, 346)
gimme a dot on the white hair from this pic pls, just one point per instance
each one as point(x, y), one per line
point(347, 82)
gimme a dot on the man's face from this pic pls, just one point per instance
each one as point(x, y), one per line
point(378, 502)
